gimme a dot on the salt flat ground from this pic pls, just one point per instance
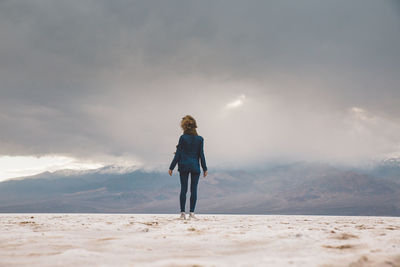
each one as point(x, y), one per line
point(214, 240)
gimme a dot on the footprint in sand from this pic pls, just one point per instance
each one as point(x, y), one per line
point(344, 236)
point(347, 246)
point(106, 239)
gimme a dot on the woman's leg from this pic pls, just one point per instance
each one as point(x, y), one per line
point(184, 187)
point(194, 180)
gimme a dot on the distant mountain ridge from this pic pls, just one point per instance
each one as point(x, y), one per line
point(295, 188)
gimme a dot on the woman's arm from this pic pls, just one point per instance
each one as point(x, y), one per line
point(202, 158)
point(177, 154)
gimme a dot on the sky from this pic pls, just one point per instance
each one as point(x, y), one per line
point(88, 83)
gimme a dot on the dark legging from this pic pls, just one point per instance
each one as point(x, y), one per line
point(194, 180)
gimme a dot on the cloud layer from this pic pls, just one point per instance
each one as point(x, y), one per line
point(109, 81)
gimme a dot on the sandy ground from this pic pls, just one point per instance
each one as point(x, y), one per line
point(214, 240)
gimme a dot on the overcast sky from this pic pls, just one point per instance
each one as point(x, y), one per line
point(109, 81)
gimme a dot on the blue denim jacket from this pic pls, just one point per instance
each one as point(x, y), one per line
point(188, 152)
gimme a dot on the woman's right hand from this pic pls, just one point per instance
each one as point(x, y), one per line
point(205, 174)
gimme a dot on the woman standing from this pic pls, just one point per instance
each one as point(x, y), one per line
point(188, 152)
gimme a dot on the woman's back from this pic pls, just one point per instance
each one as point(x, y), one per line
point(191, 144)
point(189, 151)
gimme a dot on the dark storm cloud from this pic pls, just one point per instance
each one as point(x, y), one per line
point(111, 79)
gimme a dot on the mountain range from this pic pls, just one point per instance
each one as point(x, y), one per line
point(292, 188)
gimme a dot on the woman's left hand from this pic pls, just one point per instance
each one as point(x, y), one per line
point(170, 172)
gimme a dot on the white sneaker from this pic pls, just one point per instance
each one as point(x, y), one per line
point(183, 216)
point(192, 217)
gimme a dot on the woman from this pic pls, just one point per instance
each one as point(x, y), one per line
point(188, 152)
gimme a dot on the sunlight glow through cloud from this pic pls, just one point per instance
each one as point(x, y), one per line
point(237, 103)
point(19, 166)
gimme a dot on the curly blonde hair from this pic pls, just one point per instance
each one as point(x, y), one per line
point(189, 125)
